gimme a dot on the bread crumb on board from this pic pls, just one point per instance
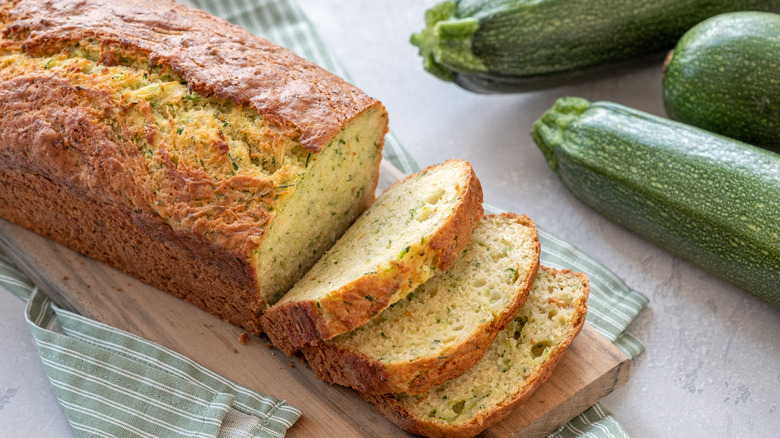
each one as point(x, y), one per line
point(243, 338)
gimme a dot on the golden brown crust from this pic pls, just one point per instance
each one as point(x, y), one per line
point(291, 325)
point(456, 232)
point(141, 246)
point(334, 363)
point(338, 365)
point(300, 323)
point(395, 411)
point(53, 134)
point(216, 58)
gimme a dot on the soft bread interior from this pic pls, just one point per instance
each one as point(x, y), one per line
point(486, 278)
point(543, 326)
point(399, 223)
point(338, 185)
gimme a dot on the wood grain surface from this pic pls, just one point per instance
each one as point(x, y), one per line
point(590, 369)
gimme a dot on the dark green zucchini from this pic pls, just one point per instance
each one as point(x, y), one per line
point(711, 200)
point(495, 46)
point(724, 76)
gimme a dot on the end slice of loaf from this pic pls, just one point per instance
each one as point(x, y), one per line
point(445, 326)
point(520, 359)
point(416, 228)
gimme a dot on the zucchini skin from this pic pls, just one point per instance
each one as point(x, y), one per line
point(724, 76)
point(503, 46)
point(709, 199)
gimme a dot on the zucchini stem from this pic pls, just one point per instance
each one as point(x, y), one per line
point(446, 42)
point(548, 130)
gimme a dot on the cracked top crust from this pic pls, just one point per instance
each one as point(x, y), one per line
point(216, 58)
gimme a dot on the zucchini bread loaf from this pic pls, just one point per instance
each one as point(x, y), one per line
point(179, 148)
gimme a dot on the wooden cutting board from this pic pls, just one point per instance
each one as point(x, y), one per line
point(590, 369)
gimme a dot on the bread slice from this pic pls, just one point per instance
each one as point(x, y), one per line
point(180, 148)
point(415, 228)
point(517, 362)
point(445, 326)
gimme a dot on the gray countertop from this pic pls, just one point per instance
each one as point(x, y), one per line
point(712, 364)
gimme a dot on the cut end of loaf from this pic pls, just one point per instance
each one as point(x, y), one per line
point(414, 229)
point(337, 185)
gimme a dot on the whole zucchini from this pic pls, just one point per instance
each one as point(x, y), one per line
point(491, 46)
point(711, 200)
point(724, 76)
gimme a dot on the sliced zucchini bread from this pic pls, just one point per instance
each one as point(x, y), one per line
point(445, 326)
point(519, 360)
point(415, 229)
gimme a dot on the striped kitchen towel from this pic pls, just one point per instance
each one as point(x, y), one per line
point(111, 383)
